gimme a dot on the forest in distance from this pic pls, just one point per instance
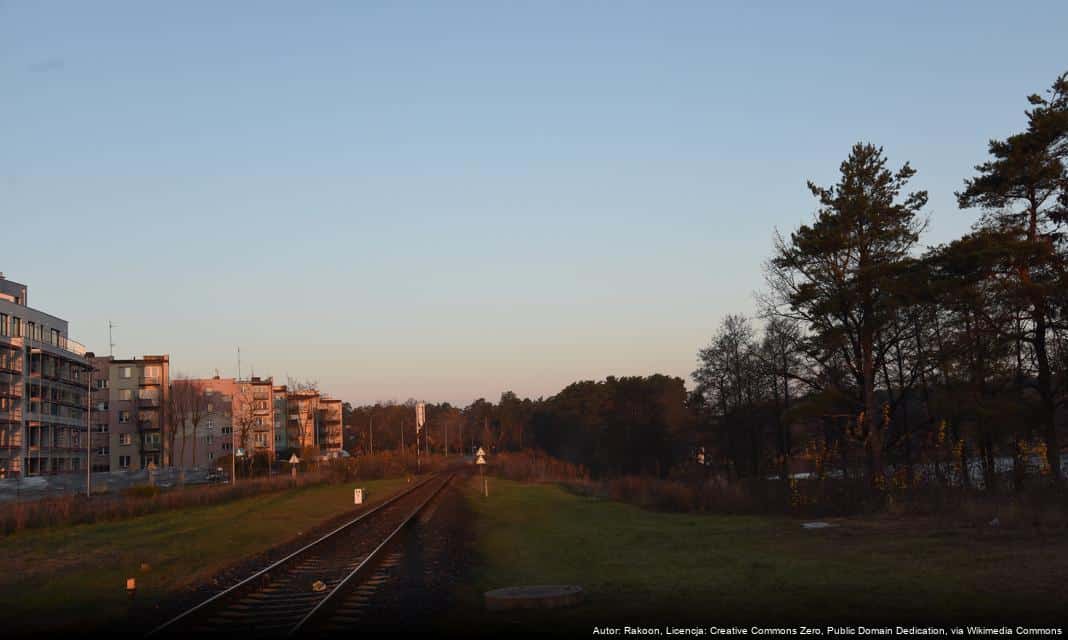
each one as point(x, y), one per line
point(872, 356)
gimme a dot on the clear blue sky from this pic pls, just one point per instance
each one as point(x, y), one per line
point(445, 200)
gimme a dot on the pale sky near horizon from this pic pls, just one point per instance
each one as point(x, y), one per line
point(447, 200)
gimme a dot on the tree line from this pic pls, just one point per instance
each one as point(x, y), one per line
point(900, 361)
point(627, 425)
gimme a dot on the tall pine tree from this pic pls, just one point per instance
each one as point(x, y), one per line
point(1023, 191)
point(845, 276)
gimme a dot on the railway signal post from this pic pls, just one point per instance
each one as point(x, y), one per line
point(480, 460)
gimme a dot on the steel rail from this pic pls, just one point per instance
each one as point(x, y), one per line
point(344, 586)
point(238, 588)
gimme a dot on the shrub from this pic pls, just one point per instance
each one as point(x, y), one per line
point(146, 499)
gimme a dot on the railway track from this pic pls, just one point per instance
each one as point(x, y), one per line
point(318, 586)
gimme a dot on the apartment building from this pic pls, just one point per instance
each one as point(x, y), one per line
point(302, 408)
point(221, 416)
point(281, 442)
point(312, 421)
point(129, 418)
point(43, 389)
point(330, 437)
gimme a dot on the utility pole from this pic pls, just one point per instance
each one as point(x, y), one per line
point(371, 430)
point(111, 342)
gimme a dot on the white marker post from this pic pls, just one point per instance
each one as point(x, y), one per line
point(293, 462)
point(480, 460)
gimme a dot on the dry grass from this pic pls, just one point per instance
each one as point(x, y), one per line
point(138, 501)
point(816, 498)
point(535, 466)
point(78, 509)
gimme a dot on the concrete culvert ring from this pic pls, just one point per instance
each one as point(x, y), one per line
point(545, 596)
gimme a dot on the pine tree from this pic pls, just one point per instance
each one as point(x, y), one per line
point(846, 275)
point(1023, 191)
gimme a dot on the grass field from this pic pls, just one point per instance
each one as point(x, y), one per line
point(639, 565)
point(51, 578)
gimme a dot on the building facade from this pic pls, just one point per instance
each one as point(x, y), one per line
point(221, 416)
point(129, 418)
point(330, 436)
point(313, 422)
point(302, 408)
point(44, 378)
point(281, 442)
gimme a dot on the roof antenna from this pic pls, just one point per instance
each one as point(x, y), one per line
point(239, 363)
point(111, 342)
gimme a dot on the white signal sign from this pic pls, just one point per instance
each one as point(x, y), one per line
point(420, 415)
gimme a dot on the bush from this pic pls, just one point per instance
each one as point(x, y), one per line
point(143, 491)
point(535, 466)
point(146, 499)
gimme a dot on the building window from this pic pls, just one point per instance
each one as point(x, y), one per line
point(124, 438)
point(261, 439)
point(125, 394)
point(126, 372)
point(3, 325)
point(124, 462)
point(124, 416)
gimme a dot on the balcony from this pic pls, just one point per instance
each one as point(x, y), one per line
point(151, 381)
point(10, 390)
point(63, 343)
point(150, 403)
point(12, 342)
point(11, 415)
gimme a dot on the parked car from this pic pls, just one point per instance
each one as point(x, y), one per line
point(337, 454)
